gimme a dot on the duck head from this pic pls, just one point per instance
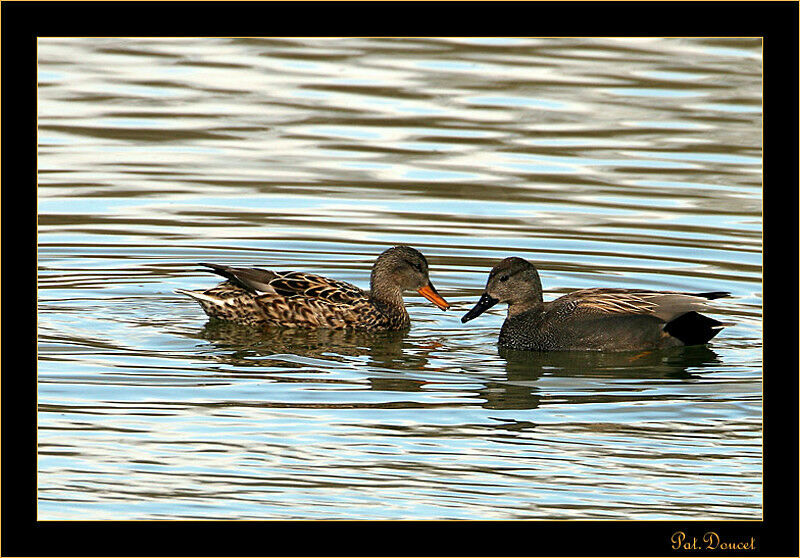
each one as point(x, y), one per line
point(400, 269)
point(514, 281)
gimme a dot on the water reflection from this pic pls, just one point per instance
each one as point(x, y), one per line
point(613, 162)
point(672, 363)
point(525, 368)
point(243, 346)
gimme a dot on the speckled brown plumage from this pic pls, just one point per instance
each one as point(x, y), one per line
point(592, 319)
point(260, 297)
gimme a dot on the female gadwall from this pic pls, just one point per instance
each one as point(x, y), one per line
point(258, 297)
point(592, 319)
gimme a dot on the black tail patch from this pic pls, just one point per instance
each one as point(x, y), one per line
point(693, 328)
point(714, 295)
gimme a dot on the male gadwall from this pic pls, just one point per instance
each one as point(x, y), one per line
point(592, 319)
point(258, 297)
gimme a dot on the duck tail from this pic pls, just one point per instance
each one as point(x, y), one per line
point(198, 296)
point(693, 328)
point(253, 279)
point(714, 295)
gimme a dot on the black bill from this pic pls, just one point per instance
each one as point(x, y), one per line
point(483, 305)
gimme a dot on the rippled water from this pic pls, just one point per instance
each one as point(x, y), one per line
point(606, 162)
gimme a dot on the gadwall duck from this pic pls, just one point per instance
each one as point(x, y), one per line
point(258, 297)
point(592, 319)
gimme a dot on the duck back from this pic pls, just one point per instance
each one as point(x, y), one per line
point(557, 329)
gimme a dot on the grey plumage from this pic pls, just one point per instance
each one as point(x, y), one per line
point(593, 319)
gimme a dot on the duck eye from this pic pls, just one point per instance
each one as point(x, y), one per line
point(504, 278)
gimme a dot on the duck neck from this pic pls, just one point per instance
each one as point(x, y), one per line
point(386, 292)
point(389, 301)
point(531, 302)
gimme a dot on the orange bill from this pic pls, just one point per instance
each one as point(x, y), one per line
point(430, 293)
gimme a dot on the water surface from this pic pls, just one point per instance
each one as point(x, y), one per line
point(606, 162)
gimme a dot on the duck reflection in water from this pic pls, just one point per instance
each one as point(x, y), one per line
point(524, 368)
point(247, 346)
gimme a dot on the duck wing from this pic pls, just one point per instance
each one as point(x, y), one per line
point(308, 300)
point(664, 305)
point(259, 281)
point(253, 279)
point(316, 287)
